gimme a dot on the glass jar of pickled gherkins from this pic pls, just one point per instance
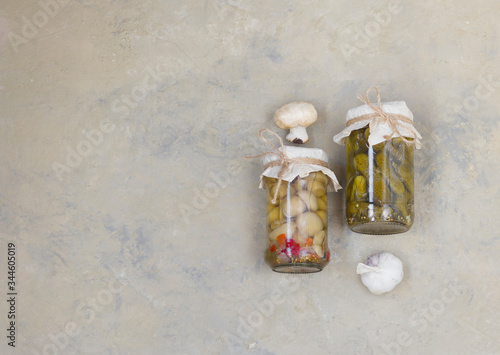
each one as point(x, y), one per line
point(379, 167)
point(296, 212)
point(379, 180)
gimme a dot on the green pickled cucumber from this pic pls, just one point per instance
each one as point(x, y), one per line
point(397, 142)
point(367, 133)
point(351, 210)
point(391, 178)
point(361, 164)
point(402, 211)
point(395, 184)
point(358, 142)
point(357, 210)
point(383, 163)
point(350, 172)
point(349, 145)
point(384, 175)
point(401, 199)
point(409, 153)
point(381, 192)
point(359, 191)
point(348, 191)
point(397, 155)
point(406, 175)
point(379, 147)
point(401, 206)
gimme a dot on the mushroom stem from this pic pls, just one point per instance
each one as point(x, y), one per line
point(297, 135)
point(362, 268)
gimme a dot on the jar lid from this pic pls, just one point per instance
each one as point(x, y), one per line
point(394, 107)
point(300, 169)
point(362, 116)
point(298, 152)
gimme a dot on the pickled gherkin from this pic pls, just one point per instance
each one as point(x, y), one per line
point(405, 172)
point(384, 163)
point(361, 164)
point(379, 191)
point(359, 189)
point(360, 144)
point(380, 187)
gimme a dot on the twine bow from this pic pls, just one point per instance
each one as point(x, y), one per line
point(283, 161)
point(380, 115)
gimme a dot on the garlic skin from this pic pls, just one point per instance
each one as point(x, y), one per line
point(381, 273)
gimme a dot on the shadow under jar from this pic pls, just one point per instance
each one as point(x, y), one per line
point(297, 224)
point(380, 191)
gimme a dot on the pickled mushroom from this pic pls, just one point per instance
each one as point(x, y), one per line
point(319, 250)
point(324, 217)
point(293, 206)
point(282, 191)
point(318, 176)
point(309, 199)
point(273, 215)
point(316, 187)
point(309, 223)
point(322, 203)
point(319, 237)
point(287, 229)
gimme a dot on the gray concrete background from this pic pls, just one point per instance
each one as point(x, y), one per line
point(115, 116)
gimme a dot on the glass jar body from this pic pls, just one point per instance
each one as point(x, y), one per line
point(380, 179)
point(297, 224)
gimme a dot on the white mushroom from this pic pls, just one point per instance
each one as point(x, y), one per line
point(296, 116)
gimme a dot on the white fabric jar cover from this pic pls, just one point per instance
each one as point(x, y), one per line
point(380, 129)
point(300, 169)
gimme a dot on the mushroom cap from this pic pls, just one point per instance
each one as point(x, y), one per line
point(293, 114)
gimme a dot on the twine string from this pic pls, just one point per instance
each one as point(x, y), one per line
point(381, 116)
point(283, 161)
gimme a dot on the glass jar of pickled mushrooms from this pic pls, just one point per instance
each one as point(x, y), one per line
point(379, 168)
point(297, 213)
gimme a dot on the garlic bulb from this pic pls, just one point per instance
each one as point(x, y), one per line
point(381, 273)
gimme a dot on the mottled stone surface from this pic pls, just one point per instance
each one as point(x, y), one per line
point(115, 116)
